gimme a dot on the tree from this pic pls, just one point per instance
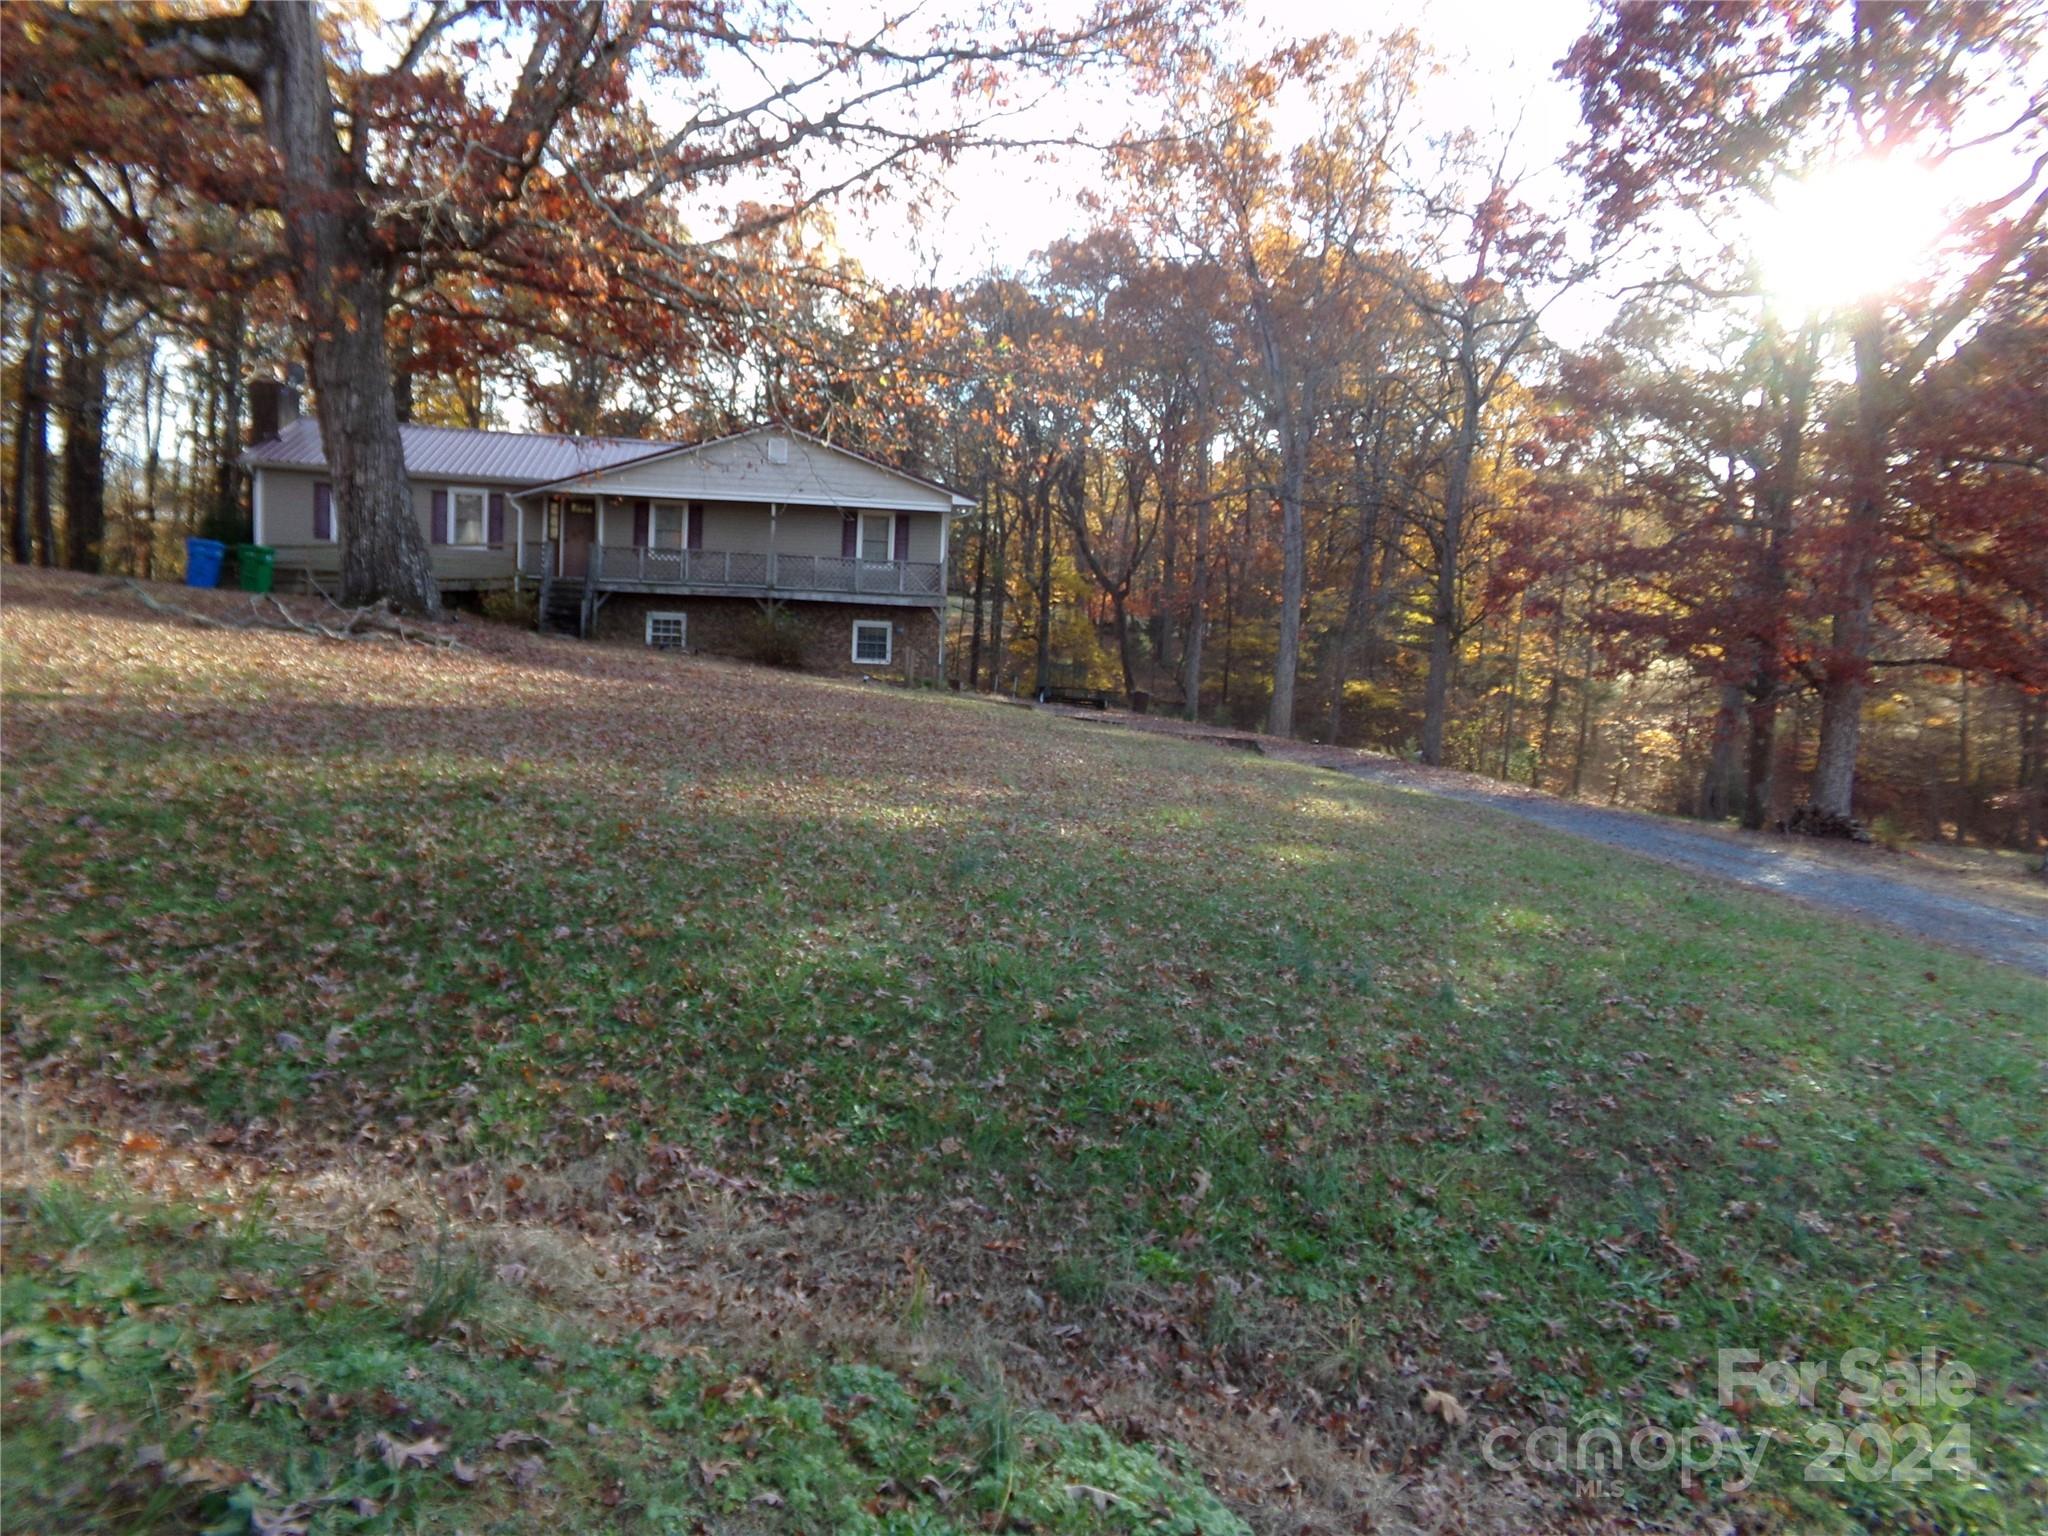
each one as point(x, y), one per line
point(1295, 233)
point(1486, 321)
point(503, 146)
point(1689, 104)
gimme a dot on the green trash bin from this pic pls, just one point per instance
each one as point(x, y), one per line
point(257, 564)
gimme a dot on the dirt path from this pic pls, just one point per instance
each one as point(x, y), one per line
point(2012, 930)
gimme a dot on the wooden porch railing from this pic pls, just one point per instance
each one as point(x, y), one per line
point(745, 570)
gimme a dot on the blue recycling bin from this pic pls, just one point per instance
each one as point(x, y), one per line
point(202, 562)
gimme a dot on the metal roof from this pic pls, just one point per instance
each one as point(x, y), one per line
point(460, 453)
point(528, 459)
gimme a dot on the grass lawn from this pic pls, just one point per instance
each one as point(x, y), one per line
point(1302, 1100)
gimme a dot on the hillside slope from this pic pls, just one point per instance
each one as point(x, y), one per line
point(1229, 1104)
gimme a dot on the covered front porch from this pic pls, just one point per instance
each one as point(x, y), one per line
point(647, 545)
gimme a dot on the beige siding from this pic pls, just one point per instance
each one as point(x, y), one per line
point(738, 530)
point(808, 531)
point(288, 528)
point(742, 528)
point(739, 470)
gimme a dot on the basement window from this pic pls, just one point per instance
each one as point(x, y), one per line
point(665, 631)
point(871, 642)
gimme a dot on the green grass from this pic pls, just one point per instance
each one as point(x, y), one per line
point(172, 1370)
point(1361, 1084)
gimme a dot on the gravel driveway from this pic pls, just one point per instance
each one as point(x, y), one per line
point(1993, 932)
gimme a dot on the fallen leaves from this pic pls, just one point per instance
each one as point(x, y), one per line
point(1444, 1406)
point(399, 1454)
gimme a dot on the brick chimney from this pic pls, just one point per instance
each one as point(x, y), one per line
point(273, 406)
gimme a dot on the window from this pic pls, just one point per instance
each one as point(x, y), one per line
point(871, 642)
point(665, 631)
point(468, 517)
point(666, 532)
point(778, 450)
point(874, 535)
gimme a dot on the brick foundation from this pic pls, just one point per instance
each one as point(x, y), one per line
point(725, 626)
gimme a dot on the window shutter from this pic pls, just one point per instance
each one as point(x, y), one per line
point(496, 537)
point(849, 534)
point(323, 511)
point(440, 529)
point(695, 537)
point(902, 536)
point(639, 525)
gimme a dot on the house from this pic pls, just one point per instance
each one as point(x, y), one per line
point(673, 545)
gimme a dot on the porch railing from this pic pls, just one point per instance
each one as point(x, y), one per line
point(748, 570)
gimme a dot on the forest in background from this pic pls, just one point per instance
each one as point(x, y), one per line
point(1283, 441)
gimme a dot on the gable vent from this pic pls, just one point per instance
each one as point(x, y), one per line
point(778, 450)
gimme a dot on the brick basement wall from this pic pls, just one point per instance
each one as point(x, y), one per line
point(721, 626)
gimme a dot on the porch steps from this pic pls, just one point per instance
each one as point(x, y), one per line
point(561, 609)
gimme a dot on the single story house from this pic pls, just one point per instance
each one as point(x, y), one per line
point(673, 545)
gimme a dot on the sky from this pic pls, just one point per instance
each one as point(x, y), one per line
point(997, 208)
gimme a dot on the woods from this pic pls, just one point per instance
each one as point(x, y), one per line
point(1627, 476)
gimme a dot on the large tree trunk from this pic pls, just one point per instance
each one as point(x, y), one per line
point(980, 591)
point(35, 382)
point(1716, 797)
point(1507, 724)
point(1121, 619)
point(1844, 682)
point(39, 476)
point(1444, 613)
point(227, 470)
point(1198, 596)
point(1772, 585)
point(1359, 602)
point(997, 608)
point(1042, 676)
point(1757, 780)
point(1293, 578)
point(83, 389)
point(342, 276)
point(2033, 774)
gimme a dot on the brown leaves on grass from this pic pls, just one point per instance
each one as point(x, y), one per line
point(399, 1454)
point(1444, 1406)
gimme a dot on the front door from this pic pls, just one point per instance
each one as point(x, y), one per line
point(579, 530)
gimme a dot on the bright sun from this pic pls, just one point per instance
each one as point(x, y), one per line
point(1859, 230)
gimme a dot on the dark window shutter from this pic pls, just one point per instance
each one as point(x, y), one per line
point(695, 535)
point(902, 535)
point(496, 537)
point(639, 525)
point(323, 511)
point(440, 529)
point(849, 534)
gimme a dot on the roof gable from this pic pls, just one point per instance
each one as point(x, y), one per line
point(742, 467)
